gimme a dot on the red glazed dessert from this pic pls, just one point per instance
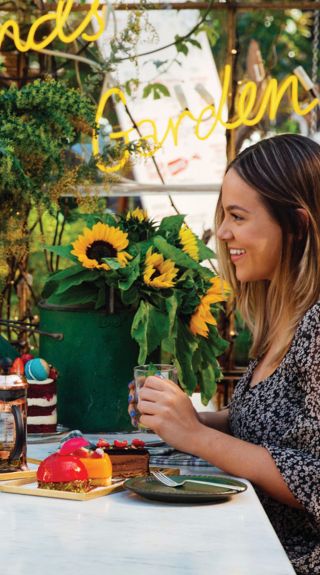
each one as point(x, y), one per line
point(64, 473)
point(97, 463)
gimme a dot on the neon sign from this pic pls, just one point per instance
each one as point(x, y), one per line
point(245, 106)
point(246, 103)
point(59, 16)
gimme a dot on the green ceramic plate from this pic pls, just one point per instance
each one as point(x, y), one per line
point(150, 488)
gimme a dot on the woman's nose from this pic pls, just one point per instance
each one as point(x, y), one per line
point(224, 233)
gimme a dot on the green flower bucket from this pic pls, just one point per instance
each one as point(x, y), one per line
point(95, 358)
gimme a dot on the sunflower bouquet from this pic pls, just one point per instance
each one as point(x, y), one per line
point(130, 262)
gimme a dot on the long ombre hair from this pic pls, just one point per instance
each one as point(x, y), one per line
point(285, 171)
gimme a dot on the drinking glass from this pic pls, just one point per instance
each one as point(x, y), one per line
point(141, 372)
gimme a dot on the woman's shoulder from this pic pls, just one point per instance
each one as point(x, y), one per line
point(310, 319)
point(305, 348)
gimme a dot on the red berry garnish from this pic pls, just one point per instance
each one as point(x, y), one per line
point(117, 443)
point(26, 357)
point(138, 443)
point(53, 374)
point(98, 453)
point(103, 443)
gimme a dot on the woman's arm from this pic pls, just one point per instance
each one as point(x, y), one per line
point(216, 420)
point(169, 412)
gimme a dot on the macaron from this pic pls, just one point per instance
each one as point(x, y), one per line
point(37, 369)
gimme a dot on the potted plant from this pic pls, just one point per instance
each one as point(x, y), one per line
point(145, 285)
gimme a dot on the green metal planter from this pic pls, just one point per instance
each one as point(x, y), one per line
point(95, 361)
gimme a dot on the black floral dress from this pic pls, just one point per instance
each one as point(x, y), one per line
point(282, 413)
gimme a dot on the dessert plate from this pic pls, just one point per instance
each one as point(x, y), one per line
point(190, 493)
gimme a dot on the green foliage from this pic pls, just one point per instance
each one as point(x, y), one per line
point(156, 90)
point(163, 304)
point(38, 123)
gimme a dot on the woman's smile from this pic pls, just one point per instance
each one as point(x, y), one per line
point(236, 254)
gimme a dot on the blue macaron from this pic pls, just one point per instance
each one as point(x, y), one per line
point(37, 369)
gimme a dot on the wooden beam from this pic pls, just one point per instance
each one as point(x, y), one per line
point(231, 60)
point(220, 6)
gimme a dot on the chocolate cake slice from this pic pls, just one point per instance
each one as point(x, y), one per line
point(127, 460)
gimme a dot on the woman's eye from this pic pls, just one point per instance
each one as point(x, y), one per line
point(236, 218)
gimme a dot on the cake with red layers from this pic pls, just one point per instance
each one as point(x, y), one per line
point(42, 406)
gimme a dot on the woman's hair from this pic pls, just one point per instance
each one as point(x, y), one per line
point(285, 171)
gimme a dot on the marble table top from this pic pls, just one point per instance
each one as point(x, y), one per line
point(124, 534)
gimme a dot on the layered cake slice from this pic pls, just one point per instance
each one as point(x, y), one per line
point(127, 460)
point(42, 406)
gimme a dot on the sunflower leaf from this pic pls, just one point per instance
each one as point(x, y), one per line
point(84, 275)
point(129, 274)
point(170, 226)
point(62, 251)
point(130, 296)
point(92, 219)
point(53, 282)
point(216, 344)
point(83, 294)
point(149, 327)
point(207, 383)
point(205, 253)
point(112, 263)
point(180, 258)
point(186, 345)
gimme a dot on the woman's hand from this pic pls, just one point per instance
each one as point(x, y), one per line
point(168, 411)
point(132, 404)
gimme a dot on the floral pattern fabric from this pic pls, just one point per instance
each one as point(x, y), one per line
point(282, 413)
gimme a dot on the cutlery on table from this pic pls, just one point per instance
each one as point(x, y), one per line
point(162, 478)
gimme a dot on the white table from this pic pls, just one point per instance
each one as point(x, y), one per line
point(124, 534)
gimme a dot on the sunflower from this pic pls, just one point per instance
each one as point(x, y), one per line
point(158, 272)
point(189, 242)
point(102, 241)
point(137, 214)
point(219, 291)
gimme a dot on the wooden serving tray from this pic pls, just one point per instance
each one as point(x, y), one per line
point(27, 486)
point(28, 474)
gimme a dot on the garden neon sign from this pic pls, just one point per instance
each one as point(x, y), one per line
point(245, 104)
point(59, 16)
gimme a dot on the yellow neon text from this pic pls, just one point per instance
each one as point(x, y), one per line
point(245, 107)
point(113, 136)
point(60, 16)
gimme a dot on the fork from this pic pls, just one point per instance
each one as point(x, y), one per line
point(162, 478)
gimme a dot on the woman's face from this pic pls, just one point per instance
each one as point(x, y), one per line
point(253, 237)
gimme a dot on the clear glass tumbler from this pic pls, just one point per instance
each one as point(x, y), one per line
point(141, 372)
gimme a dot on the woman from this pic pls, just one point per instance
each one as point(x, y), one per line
point(268, 243)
